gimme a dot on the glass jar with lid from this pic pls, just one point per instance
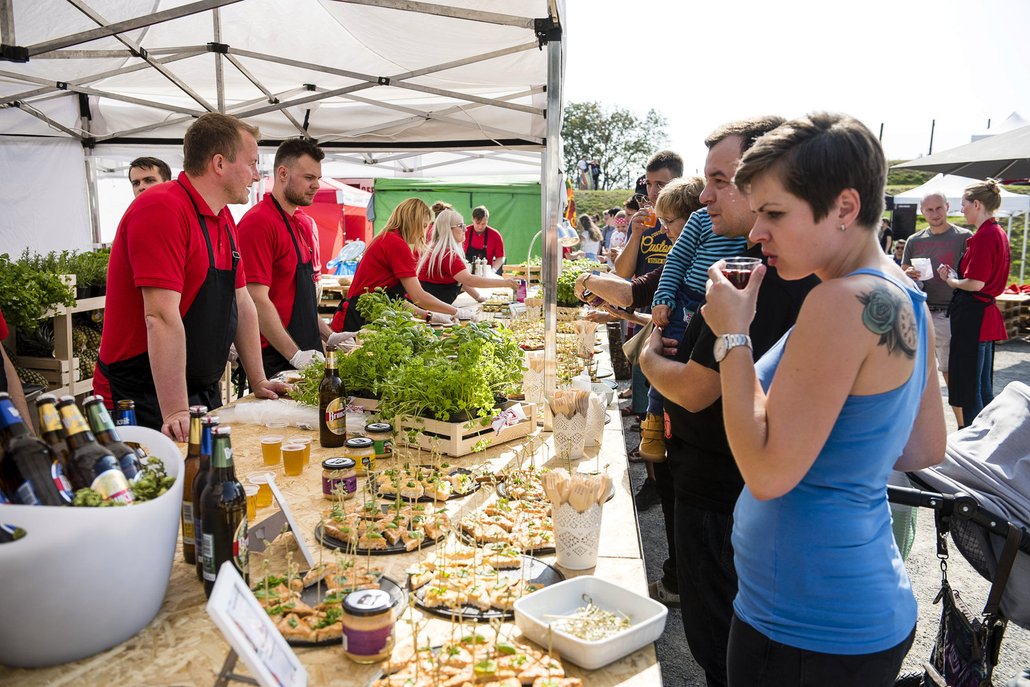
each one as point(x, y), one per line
point(339, 478)
point(368, 621)
point(381, 434)
point(362, 452)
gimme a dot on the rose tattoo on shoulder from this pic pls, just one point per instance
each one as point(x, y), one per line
point(886, 316)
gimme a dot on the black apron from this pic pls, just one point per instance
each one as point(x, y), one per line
point(966, 313)
point(210, 327)
point(445, 292)
point(303, 327)
point(352, 321)
point(472, 253)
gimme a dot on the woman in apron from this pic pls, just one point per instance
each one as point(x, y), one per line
point(389, 263)
point(975, 321)
point(442, 270)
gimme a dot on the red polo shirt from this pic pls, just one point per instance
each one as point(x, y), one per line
point(159, 244)
point(386, 261)
point(988, 259)
point(268, 254)
point(452, 264)
point(3, 326)
point(494, 245)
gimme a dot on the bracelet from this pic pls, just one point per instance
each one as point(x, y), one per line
point(429, 316)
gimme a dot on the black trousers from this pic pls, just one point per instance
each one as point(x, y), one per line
point(663, 477)
point(756, 661)
point(707, 585)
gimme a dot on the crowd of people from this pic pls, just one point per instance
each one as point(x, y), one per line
point(769, 435)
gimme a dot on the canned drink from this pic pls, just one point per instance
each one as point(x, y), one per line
point(520, 292)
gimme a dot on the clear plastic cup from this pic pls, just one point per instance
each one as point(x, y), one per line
point(293, 459)
point(251, 490)
point(264, 494)
point(271, 449)
point(306, 443)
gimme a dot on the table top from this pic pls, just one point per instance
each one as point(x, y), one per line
point(182, 645)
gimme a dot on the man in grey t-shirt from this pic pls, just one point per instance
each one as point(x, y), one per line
point(941, 243)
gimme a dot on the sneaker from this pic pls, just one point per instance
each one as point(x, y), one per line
point(647, 495)
point(652, 438)
point(657, 591)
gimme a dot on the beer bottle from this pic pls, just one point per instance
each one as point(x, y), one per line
point(332, 405)
point(223, 514)
point(125, 413)
point(107, 436)
point(26, 469)
point(90, 464)
point(207, 426)
point(52, 432)
point(189, 537)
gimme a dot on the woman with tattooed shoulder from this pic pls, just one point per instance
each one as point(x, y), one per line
point(817, 424)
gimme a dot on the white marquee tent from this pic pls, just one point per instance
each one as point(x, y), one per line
point(952, 187)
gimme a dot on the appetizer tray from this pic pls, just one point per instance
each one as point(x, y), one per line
point(532, 574)
point(384, 529)
point(425, 484)
point(530, 488)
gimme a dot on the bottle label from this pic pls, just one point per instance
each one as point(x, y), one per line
point(240, 551)
point(9, 415)
point(198, 537)
point(73, 421)
point(188, 537)
point(49, 418)
point(336, 416)
point(26, 496)
point(366, 642)
point(61, 482)
point(209, 557)
point(112, 486)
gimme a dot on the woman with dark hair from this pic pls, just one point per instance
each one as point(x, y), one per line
point(975, 323)
point(819, 422)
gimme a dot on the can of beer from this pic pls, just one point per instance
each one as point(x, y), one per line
point(520, 291)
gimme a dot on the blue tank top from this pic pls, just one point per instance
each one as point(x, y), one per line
point(818, 567)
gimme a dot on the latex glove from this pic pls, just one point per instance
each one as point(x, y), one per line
point(440, 318)
point(342, 340)
point(302, 359)
point(467, 313)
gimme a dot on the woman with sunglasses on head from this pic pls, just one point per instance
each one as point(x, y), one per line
point(442, 270)
point(819, 422)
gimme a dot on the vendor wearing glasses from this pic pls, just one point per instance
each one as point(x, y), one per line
point(442, 269)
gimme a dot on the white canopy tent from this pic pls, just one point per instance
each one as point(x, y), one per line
point(374, 81)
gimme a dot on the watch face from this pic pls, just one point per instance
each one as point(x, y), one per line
point(719, 350)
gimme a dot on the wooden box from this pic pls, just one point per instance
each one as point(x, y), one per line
point(462, 438)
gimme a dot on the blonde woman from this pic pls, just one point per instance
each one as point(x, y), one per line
point(389, 263)
point(442, 270)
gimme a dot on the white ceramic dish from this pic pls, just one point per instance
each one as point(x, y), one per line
point(83, 580)
point(534, 612)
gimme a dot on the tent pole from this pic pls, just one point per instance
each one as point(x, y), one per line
point(550, 171)
point(91, 192)
point(1022, 264)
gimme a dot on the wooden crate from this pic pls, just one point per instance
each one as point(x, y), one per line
point(462, 438)
point(519, 271)
point(1013, 309)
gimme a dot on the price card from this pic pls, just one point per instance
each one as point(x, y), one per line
point(275, 524)
point(251, 634)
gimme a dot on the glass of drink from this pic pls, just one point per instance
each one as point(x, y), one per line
point(293, 459)
point(271, 449)
point(264, 493)
point(650, 216)
point(252, 494)
point(738, 270)
point(306, 443)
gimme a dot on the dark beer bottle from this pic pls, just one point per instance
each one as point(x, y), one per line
point(189, 537)
point(332, 405)
point(90, 464)
point(26, 469)
point(125, 413)
point(52, 432)
point(107, 436)
point(207, 425)
point(223, 514)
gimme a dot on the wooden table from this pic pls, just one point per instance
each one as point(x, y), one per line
point(181, 646)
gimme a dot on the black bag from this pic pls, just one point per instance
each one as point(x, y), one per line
point(967, 645)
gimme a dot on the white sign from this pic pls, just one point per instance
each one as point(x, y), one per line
point(250, 632)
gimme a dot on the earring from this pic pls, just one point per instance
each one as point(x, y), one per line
point(843, 228)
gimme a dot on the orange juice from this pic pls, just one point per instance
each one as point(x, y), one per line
point(271, 448)
point(293, 459)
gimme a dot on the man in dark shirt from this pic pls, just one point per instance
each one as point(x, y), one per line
point(705, 477)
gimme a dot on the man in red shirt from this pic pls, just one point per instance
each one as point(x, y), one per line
point(145, 172)
point(483, 241)
point(279, 255)
point(176, 296)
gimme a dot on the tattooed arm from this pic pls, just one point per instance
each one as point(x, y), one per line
point(853, 336)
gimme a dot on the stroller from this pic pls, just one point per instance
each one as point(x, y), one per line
point(980, 494)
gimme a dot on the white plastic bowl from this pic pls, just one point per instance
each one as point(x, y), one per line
point(534, 612)
point(83, 580)
point(604, 391)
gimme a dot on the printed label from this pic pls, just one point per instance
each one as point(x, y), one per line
point(336, 416)
point(112, 486)
point(197, 536)
point(366, 642)
point(73, 420)
point(239, 547)
point(49, 418)
point(9, 415)
point(26, 496)
point(61, 482)
point(209, 557)
point(188, 536)
point(331, 486)
point(382, 446)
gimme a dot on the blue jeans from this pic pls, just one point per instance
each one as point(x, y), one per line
point(679, 318)
point(984, 383)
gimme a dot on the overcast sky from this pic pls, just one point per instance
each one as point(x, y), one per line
point(900, 63)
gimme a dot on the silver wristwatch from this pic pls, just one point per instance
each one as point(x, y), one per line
point(727, 342)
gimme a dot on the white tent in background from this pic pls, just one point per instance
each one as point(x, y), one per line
point(952, 187)
point(1013, 121)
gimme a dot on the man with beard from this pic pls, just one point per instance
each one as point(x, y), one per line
point(277, 244)
point(176, 293)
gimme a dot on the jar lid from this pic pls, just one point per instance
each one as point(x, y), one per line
point(359, 442)
point(337, 463)
point(378, 427)
point(367, 602)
